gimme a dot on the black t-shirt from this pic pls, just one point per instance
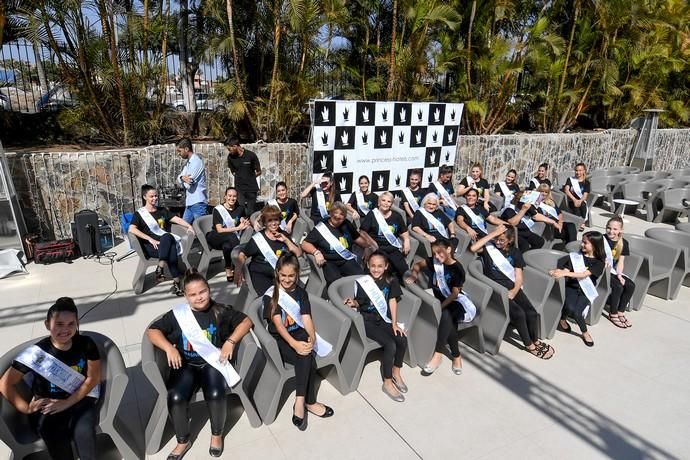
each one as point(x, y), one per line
point(391, 290)
point(315, 214)
point(478, 210)
point(481, 185)
point(83, 350)
point(584, 186)
point(288, 209)
point(509, 213)
point(236, 214)
point(515, 259)
point(259, 263)
point(217, 329)
point(371, 200)
point(244, 169)
point(370, 225)
point(420, 221)
point(346, 234)
point(625, 250)
point(161, 215)
point(531, 186)
point(595, 266)
point(302, 298)
point(418, 194)
point(514, 188)
point(557, 208)
point(454, 275)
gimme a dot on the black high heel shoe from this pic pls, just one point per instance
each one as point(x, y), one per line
point(217, 451)
point(300, 423)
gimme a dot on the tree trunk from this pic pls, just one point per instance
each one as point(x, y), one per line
point(469, 48)
point(364, 62)
point(568, 51)
point(277, 32)
point(233, 48)
point(391, 76)
point(42, 80)
point(185, 58)
point(163, 93)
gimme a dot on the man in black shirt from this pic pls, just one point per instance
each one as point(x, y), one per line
point(244, 166)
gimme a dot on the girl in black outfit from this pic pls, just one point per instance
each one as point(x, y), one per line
point(224, 327)
point(370, 200)
point(522, 314)
point(417, 193)
point(296, 343)
point(578, 204)
point(426, 229)
point(59, 417)
point(576, 302)
point(327, 186)
point(526, 238)
point(510, 185)
point(452, 311)
point(622, 287)
point(163, 246)
point(540, 178)
point(464, 220)
point(226, 235)
point(566, 231)
point(388, 335)
point(477, 182)
point(261, 270)
point(289, 207)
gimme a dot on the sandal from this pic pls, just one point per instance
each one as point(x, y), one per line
point(567, 329)
point(616, 320)
point(160, 275)
point(542, 351)
point(625, 321)
point(175, 289)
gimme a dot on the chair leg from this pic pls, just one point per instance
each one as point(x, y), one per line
point(204, 262)
point(139, 278)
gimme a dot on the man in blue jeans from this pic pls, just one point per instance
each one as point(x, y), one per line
point(193, 179)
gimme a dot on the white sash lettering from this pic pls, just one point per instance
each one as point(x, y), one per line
point(361, 204)
point(228, 221)
point(445, 196)
point(156, 229)
point(577, 191)
point(470, 182)
point(535, 182)
point(506, 192)
point(411, 200)
point(385, 229)
point(476, 219)
point(550, 210)
point(333, 242)
point(321, 202)
point(609, 257)
point(500, 261)
point(435, 222)
point(378, 300)
point(265, 249)
point(586, 283)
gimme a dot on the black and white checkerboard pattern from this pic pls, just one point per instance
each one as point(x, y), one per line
point(384, 141)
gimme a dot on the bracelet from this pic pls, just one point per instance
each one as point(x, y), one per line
point(231, 341)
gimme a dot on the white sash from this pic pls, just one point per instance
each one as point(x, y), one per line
point(507, 194)
point(536, 182)
point(202, 345)
point(609, 257)
point(586, 283)
point(411, 200)
point(525, 219)
point(291, 307)
point(435, 222)
point(575, 187)
point(550, 210)
point(228, 221)
point(54, 370)
point(385, 230)
point(157, 230)
point(321, 202)
point(470, 182)
point(378, 300)
point(500, 261)
point(445, 196)
point(477, 220)
point(333, 242)
point(361, 204)
point(283, 224)
point(469, 306)
point(265, 249)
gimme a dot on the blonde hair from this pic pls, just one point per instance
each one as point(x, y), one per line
point(548, 199)
point(619, 244)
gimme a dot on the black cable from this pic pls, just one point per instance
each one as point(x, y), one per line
point(110, 260)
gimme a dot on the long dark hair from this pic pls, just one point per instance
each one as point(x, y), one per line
point(192, 275)
point(286, 259)
point(146, 188)
point(597, 241)
point(379, 253)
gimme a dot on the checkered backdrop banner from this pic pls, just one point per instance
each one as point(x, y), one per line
point(385, 141)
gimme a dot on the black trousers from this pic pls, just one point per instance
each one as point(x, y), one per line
point(620, 294)
point(167, 252)
point(305, 367)
point(394, 346)
point(183, 384)
point(77, 423)
point(225, 242)
point(528, 240)
point(261, 281)
point(333, 270)
point(580, 212)
point(575, 304)
point(524, 318)
point(448, 329)
point(568, 234)
point(396, 260)
point(247, 199)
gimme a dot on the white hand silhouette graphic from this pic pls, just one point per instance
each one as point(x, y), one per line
point(324, 114)
point(450, 136)
point(365, 114)
point(343, 184)
point(324, 162)
point(437, 115)
point(383, 138)
point(432, 158)
point(379, 182)
point(403, 114)
point(344, 138)
point(418, 137)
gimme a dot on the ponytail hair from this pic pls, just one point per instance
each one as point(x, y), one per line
point(286, 259)
point(62, 305)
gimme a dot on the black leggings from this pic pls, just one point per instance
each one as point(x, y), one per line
point(568, 233)
point(261, 281)
point(448, 329)
point(524, 318)
point(394, 346)
point(305, 367)
point(166, 252)
point(77, 423)
point(183, 384)
point(528, 240)
point(225, 242)
point(396, 260)
point(575, 304)
point(620, 294)
point(335, 270)
point(580, 212)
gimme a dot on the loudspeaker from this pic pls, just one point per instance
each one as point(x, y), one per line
point(86, 232)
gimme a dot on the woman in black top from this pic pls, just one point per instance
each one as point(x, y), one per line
point(261, 270)
point(426, 229)
point(58, 416)
point(510, 185)
point(224, 327)
point(289, 207)
point(333, 264)
point(477, 182)
point(522, 219)
point(296, 343)
point(388, 335)
point(370, 200)
point(576, 302)
point(566, 231)
point(417, 193)
point(622, 287)
point(162, 246)
point(465, 221)
point(396, 225)
point(331, 195)
point(540, 178)
point(523, 315)
point(578, 204)
point(452, 311)
point(225, 235)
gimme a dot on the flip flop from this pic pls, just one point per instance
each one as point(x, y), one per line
point(616, 320)
point(625, 321)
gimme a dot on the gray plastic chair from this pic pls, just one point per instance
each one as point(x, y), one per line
point(359, 345)
point(316, 282)
point(623, 170)
point(202, 225)
point(680, 173)
point(547, 259)
point(139, 279)
point(676, 239)
point(154, 364)
point(652, 175)
point(424, 248)
point(16, 431)
point(644, 193)
point(426, 326)
point(277, 378)
point(558, 197)
point(671, 204)
point(606, 187)
point(685, 227)
point(667, 264)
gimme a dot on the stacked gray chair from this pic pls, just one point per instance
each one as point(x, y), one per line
point(644, 193)
point(277, 378)
point(154, 364)
point(426, 325)
point(685, 227)
point(677, 239)
point(653, 175)
point(667, 265)
point(546, 259)
point(16, 431)
point(623, 170)
point(672, 204)
point(606, 187)
point(139, 279)
point(680, 173)
point(359, 345)
point(558, 197)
